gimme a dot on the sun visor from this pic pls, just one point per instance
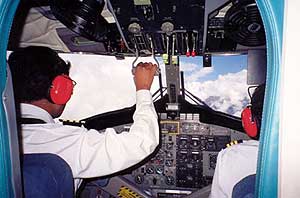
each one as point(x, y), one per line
point(38, 30)
point(257, 67)
point(41, 28)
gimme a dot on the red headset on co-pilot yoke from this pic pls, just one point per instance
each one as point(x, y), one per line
point(61, 89)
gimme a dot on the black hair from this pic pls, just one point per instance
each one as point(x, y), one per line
point(33, 70)
point(257, 102)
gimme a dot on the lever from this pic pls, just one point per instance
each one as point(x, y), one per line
point(187, 46)
point(135, 60)
point(194, 45)
point(174, 58)
point(153, 56)
point(173, 44)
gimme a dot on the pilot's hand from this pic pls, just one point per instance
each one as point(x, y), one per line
point(143, 75)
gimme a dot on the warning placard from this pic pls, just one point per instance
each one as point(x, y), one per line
point(125, 192)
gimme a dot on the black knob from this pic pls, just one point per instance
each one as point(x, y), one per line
point(139, 179)
point(169, 180)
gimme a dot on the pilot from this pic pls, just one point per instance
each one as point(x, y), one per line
point(239, 160)
point(43, 87)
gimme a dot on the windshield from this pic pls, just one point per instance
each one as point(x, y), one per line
point(106, 84)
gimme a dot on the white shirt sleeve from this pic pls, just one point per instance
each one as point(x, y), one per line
point(101, 154)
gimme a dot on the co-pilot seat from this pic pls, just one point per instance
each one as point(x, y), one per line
point(245, 188)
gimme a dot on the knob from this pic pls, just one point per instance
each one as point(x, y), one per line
point(169, 154)
point(193, 53)
point(134, 28)
point(150, 170)
point(183, 143)
point(139, 179)
point(169, 146)
point(169, 162)
point(159, 170)
point(167, 27)
point(169, 180)
point(187, 53)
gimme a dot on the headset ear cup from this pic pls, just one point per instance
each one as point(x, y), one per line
point(61, 89)
point(249, 123)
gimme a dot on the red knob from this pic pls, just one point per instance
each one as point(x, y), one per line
point(193, 53)
point(188, 53)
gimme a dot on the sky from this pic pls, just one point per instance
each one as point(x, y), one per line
point(221, 65)
point(106, 84)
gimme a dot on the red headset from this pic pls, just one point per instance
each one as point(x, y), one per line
point(61, 89)
point(251, 115)
point(249, 122)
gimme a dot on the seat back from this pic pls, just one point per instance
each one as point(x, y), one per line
point(245, 188)
point(47, 175)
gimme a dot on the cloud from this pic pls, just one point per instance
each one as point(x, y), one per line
point(194, 72)
point(227, 94)
point(197, 74)
point(187, 67)
point(103, 84)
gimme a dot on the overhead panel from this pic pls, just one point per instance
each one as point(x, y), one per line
point(146, 21)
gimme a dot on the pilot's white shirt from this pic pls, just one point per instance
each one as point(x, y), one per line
point(233, 164)
point(88, 152)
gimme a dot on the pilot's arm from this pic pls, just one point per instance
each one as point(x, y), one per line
point(105, 153)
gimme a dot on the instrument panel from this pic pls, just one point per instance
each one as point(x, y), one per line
point(186, 158)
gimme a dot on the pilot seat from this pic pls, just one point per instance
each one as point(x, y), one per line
point(46, 175)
